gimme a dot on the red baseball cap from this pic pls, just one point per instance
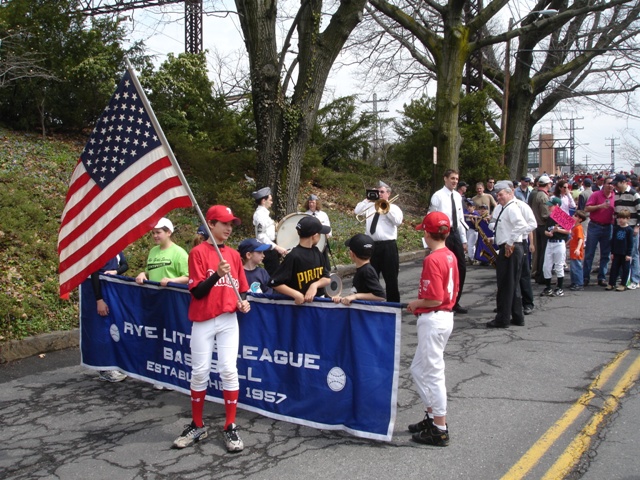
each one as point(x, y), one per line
point(222, 214)
point(433, 223)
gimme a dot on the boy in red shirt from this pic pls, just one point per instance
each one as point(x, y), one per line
point(434, 307)
point(213, 312)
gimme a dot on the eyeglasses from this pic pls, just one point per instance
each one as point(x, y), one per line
point(608, 183)
point(565, 186)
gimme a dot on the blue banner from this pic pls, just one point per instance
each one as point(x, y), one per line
point(322, 364)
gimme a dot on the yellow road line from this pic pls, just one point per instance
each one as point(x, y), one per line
point(535, 453)
point(582, 441)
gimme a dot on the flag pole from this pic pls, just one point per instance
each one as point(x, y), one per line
point(174, 162)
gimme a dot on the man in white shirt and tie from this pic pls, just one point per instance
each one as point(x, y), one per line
point(510, 227)
point(383, 229)
point(448, 201)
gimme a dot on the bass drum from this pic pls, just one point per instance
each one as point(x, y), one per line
point(287, 235)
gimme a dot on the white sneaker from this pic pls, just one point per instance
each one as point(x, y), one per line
point(112, 376)
point(632, 286)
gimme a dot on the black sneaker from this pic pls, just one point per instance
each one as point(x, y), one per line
point(558, 292)
point(421, 425)
point(432, 436)
point(576, 288)
point(547, 292)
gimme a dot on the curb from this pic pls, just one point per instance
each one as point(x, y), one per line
point(61, 340)
point(47, 342)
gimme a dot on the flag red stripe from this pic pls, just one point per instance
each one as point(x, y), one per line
point(79, 182)
point(74, 211)
point(110, 199)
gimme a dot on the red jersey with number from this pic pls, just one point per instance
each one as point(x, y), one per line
point(203, 262)
point(439, 280)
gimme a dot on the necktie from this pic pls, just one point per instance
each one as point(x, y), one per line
point(454, 215)
point(374, 223)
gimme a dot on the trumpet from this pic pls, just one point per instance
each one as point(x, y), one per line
point(380, 206)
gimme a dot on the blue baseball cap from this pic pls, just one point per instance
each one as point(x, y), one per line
point(252, 245)
point(203, 231)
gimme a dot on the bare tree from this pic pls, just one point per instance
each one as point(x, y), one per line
point(287, 82)
point(631, 149)
point(442, 40)
point(17, 64)
point(591, 54)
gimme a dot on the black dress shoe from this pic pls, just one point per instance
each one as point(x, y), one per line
point(602, 283)
point(527, 310)
point(518, 324)
point(494, 324)
point(460, 310)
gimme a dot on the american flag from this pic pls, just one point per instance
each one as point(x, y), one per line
point(122, 185)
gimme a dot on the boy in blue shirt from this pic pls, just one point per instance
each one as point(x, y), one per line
point(252, 254)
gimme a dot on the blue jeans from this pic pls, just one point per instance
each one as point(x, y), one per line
point(635, 261)
point(576, 272)
point(597, 235)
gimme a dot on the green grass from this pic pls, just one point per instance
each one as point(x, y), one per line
point(34, 176)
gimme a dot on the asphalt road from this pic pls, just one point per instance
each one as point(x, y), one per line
point(557, 398)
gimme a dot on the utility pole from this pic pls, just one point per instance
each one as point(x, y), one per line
point(376, 122)
point(192, 15)
point(572, 142)
point(613, 153)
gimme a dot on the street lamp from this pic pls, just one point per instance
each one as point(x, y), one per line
point(507, 75)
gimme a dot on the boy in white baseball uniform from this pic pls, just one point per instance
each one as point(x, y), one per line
point(213, 312)
point(434, 308)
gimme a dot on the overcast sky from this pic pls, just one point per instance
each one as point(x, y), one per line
point(595, 128)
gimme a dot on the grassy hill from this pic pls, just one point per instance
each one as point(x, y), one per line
point(34, 173)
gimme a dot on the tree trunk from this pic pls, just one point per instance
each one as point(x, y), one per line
point(518, 134)
point(284, 123)
point(455, 53)
point(519, 126)
point(258, 24)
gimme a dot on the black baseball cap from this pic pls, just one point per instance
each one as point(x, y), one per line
point(619, 178)
point(309, 226)
point(361, 245)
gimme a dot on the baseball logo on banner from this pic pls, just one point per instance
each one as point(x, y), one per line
point(336, 379)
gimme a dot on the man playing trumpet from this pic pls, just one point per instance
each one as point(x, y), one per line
point(382, 221)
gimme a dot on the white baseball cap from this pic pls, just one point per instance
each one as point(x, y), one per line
point(164, 222)
point(544, 180)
